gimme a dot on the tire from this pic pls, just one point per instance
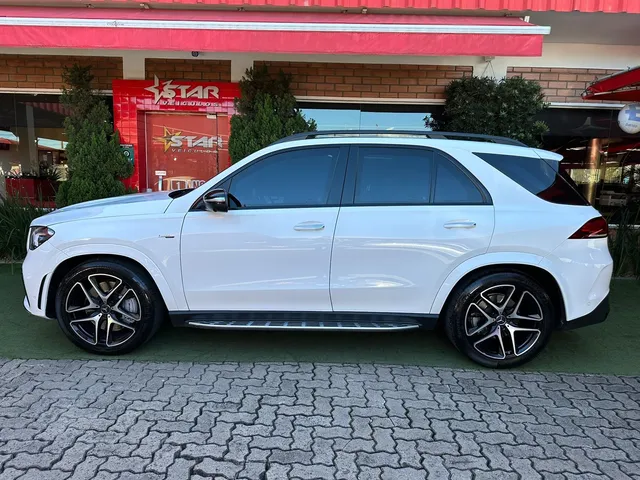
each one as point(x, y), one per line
point(124, 313)
point(500, 320)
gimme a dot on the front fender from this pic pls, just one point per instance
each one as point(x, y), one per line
point(485, 260)
point(171, 291)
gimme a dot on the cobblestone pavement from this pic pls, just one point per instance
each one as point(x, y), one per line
point(133, 420)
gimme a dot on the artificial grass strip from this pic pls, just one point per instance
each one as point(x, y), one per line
point(607, 348)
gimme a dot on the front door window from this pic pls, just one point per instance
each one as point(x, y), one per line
point(293, 178)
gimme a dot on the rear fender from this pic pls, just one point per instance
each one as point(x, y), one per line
point(481, 261)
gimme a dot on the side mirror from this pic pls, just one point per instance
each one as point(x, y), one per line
point(216, 200)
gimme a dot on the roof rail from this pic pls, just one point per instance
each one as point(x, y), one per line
point(411, 133)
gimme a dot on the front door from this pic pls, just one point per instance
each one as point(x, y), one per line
point(409, 217)
point(272, 250)
point(183, 150)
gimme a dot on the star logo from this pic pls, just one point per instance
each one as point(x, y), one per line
point(175, 93)
point(167, 138)
point(162, 89)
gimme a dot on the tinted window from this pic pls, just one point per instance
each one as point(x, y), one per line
point(453, 186)
point(393, 176)
point(300, 177)
point(537, 176)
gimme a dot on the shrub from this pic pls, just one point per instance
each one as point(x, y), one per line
point(267, 112)
point(96, 161)
point(506, 107)
point(624, 243)
point(15, 217)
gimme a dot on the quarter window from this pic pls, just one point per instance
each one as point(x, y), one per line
point(293, 178)
point(453, 186)
point(545, 180)
point(393, 176)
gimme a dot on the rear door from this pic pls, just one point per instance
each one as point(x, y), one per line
point(409, 216)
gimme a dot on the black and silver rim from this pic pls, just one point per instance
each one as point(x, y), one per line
point(103, 310)
point(504, 322)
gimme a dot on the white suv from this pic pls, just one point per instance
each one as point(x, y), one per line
point(336, 231)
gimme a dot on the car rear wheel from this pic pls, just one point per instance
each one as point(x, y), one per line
point(500, 320)
point(108, 307)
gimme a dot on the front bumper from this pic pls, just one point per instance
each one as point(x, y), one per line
point(598, 315)
point(37, 268)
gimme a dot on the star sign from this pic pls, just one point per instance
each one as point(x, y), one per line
point(166, 91)
point(167, 138)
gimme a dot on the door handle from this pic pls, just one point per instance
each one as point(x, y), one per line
point(308, 226)
point(466, 224)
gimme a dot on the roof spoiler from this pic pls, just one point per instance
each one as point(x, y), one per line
point(547, 155)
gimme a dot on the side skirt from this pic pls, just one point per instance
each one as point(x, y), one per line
point(269, 320)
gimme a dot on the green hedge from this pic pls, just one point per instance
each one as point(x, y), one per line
point(15, 217)
point(507, 107)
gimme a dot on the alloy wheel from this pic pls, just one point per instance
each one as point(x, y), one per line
point(503, 322)
point(103, 310)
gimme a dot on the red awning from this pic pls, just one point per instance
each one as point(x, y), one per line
point(269, 32)
point(605, 6)
point(622, 86)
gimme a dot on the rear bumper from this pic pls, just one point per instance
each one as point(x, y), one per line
point(598, 315)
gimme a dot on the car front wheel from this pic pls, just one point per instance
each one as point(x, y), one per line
point(500, 320)
point(108, 307)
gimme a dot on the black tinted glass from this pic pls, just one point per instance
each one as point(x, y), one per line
point(537, 176)
point(293, 178)
point(453, 186)
point(393, 176)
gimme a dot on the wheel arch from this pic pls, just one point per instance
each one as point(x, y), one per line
point(545, 278)
point(70, 263)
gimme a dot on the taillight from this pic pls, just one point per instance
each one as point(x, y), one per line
point(594, 228)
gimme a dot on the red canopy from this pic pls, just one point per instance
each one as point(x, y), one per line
point(605, 6)
point(622, 86)
point(268, 32)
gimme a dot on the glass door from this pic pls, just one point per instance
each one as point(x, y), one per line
point(182, 150)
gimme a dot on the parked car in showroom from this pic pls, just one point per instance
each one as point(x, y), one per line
point(364, 231)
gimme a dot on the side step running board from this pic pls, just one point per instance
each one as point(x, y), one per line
point(302, 325)
point(275, 320)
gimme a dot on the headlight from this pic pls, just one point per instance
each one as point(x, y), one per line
point(39, 235)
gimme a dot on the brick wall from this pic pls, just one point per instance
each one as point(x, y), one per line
point(369, 80)
point(45, 71)
point(175, 69)
point(561, 84)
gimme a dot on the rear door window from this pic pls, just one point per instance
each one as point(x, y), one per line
point(393, 176)
point(453, 186)
point(543, 179)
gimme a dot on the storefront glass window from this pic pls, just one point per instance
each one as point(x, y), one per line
point(32, 142)
point(367, 116)
point(601, 159)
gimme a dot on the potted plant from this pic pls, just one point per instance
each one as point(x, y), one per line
point(31, 185)
point(21, 184)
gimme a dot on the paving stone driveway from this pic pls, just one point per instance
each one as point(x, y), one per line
point(120, 419)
